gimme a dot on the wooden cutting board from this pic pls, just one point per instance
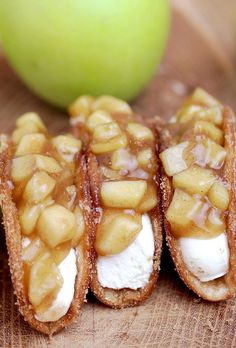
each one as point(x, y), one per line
point(173, 316)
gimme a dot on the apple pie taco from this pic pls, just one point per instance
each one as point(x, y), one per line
point(46, 209)
point(124, 183)
point(198, 153)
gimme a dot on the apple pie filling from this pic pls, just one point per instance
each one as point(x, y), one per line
point(126, 167)
point(198, 210)
point(51, 220)
point(195, 163)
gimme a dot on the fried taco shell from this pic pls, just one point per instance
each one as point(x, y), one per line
point(198, 153)
point(123, 173)
point(46, 215)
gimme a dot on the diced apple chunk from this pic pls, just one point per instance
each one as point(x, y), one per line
point(215, 154)
point(106, 132)
point(30, 117)
point(56, 225)
point(208, 153)
point(81, 106)
point(139, 132)
point(48, 164)
point(215, 115)
point(28, 128)
point(215, 222)
point(70, 196)
point(189, 217)
point(211, 114)
point(187, 113)
point(67, 146)
point(28, 216)
point(114, 237)
point(149, 200)
point(123, 194)
point(145, 158)
point(33, 250)
point(112, 105)
point(65, 192)
point(79, 228)
point(219, 196)
point(181, 213)
point(194, 180)
point(22, 168)
point(201, 97)
point(173, 159)
point(208, 129)
point(38, 187)
point(45, 279)
point(97, 118)
point(123, 159)
point(60, 252)
point(116, 143)
point(31, 144)
point(109, 173)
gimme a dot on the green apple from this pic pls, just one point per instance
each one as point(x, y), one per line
point(65, 48)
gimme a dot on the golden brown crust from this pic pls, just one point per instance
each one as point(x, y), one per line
point(124, 297)
point(224, 287)
point(13, 241)
point(229, 129)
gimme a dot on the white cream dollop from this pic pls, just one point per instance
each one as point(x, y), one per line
point(62, 302)
point(207, 259)
point(132, 267)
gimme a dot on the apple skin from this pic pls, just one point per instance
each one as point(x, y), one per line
point(62, 49)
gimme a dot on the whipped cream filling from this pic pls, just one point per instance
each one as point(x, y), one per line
point(132, 267)
point(206, 259)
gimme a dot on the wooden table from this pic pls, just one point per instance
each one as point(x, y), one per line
point(200, 52)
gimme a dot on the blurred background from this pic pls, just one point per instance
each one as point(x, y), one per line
point(201, 50)
point(215, 18)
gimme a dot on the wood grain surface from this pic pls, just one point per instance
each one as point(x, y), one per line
point(199, 53)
